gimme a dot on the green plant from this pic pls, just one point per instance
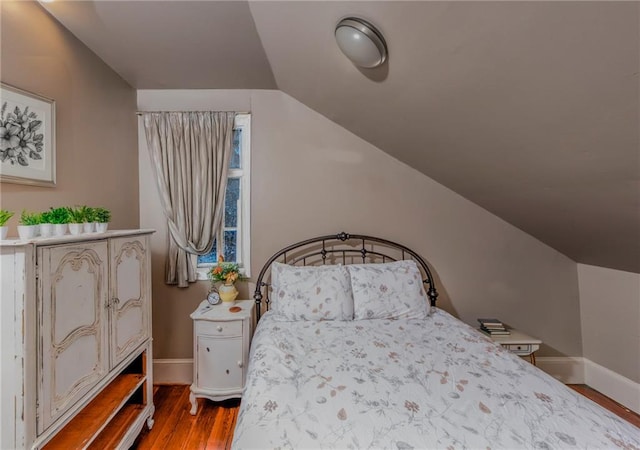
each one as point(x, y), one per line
point(102, 215)
point(27, 218)
point(58, 215)
point(5, 216)
point(80, 214)
point(90, 214)
point(45, 217)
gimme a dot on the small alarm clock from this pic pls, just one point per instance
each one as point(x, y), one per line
point(213, 298)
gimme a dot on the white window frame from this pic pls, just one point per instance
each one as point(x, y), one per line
point(242, 122)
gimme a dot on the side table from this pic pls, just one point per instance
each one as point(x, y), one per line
point(221, 341)
point(519, 343)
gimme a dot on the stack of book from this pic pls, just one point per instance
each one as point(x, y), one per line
point(493, 327)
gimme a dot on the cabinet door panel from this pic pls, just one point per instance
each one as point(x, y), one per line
point(219, 363)
point(130, 291)
point(72, 326)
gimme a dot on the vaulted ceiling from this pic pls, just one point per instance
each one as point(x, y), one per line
point(529, 109)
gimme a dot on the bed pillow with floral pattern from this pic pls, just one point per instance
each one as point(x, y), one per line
point(388, 291)
point(311, 292)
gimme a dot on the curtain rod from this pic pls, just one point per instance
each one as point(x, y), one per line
point(139, 113)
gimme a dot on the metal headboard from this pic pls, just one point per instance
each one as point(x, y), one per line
point(346, 249)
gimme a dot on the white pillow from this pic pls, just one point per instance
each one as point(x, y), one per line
point(311, 292)
point(388, 291)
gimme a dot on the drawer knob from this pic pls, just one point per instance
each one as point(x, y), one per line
point(219, 328)
point(208, 349)
point(240, 364)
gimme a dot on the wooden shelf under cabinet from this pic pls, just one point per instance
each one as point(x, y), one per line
point(113, 433)
point(104, 416)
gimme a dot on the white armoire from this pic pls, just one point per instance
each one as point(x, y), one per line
point(75, 341)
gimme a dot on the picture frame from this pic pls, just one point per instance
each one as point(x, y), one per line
point(27, 138)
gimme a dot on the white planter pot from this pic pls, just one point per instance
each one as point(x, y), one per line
point(87, 227)
point(101, 227)
point(46, 229)
point(27, 232)
point(3, 232)
point(60, 229)
point(75, 228)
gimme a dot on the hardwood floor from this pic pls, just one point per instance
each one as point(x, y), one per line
point(212, 426)
point(175, 428)
point(607, 403)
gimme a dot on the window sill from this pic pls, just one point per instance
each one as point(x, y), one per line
point(201, 273)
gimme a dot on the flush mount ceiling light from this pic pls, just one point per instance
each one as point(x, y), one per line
point(361, 42)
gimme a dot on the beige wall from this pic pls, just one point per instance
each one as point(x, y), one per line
point(312, 177)
point(96, 144)
point(610, 316)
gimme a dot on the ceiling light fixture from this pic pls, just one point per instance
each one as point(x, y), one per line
point(361, 42)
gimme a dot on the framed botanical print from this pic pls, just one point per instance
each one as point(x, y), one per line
point(27, 138)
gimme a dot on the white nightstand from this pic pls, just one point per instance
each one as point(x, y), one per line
point(221, 342)
point(519, 343)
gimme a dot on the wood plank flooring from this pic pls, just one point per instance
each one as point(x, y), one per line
point(212, 426)
point(607, 403)
point(175, 428)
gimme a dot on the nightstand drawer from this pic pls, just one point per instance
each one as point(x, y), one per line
point(518, 348)
point(231, 328)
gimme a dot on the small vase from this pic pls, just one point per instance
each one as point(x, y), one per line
point(46, 229)
point(101, 227)
point(75, 228)
point(228, 293)
point(59, 229)
point(3, 232)
point(27, 232)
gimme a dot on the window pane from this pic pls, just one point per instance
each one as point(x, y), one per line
point(235, 153)
point(210, 258)
point(231, 202)
point(230, 245)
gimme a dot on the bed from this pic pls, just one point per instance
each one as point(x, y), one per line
point(352, 352)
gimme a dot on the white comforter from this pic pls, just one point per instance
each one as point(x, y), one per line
point(434, 383)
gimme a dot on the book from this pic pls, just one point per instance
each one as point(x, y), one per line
point(489, 322)
point(504, 332)
point(492, 326)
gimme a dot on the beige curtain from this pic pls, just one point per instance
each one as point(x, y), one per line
point(190, 154)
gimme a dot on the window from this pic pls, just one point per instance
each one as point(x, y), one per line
point(232, 240)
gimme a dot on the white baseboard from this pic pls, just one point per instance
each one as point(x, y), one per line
point(173, 371)
point(613, 385)
point(568, 369)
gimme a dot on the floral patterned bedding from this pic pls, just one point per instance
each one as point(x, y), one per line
point(403, 384)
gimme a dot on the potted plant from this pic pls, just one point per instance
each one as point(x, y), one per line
point(46, 226)
point(88, 223)
point(76, 219)
point(102, 218)
point(225, 273)
point(28, 227)
point(4, 218)
point(59, 217)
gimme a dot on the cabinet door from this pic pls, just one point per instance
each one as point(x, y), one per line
point(219, 363)
point(130, 295)
point(72, 324)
